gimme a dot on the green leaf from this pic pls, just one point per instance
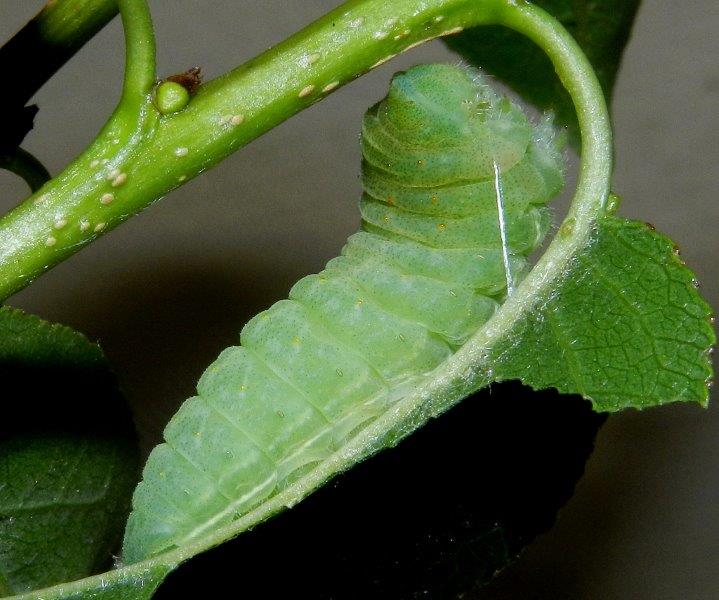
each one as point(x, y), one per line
point(68, 457)
point(601, 27)
point(625, 328)
point(624, 325)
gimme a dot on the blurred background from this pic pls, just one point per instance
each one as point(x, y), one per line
point(170, 288)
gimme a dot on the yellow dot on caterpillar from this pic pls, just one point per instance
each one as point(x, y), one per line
point(420, 163)
point(99, 227)
point(390, 199)
point(243, 388)
point(360, 302)
point(181, 151)
point(50, 241)
point(441, 227)
point(296, 340)
point(84, 225)
point(119, 180)
point(330, 86)
point(433, 199)
point(60, 223)
point(386, 218)
point(306, 91)
point(107, 198)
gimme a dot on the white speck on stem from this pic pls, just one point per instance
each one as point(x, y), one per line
point(112, 174)
point(182, 178)
point(60, 223)
point(306, 91)
point(94, 164)
point(392, 22)
point(380, 35)
point(330, 86)
point(42, 199)
point(119, 180)
point(107, 198)
point(356, 23)
point(439, 18)
point(237, 119)
point(50, 241)
point(307, 60)
point(84, 225)
point(181, 151)
point(99, 227)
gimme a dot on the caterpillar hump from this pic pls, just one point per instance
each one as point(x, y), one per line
point(424, 272)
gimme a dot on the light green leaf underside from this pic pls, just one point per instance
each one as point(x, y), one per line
point(68, 459)
point(625, 325)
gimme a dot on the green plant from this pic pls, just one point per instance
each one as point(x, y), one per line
point(593, 288)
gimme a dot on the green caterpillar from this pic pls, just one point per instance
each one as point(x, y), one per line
point(456, 181)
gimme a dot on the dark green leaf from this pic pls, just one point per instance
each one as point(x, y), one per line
point(68, 458)
point(601, 27)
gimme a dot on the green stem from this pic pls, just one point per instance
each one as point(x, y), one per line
point(139, 51)
point(140, 156)
point(25, 165)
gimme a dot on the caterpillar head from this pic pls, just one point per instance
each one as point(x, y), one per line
point(442, 124)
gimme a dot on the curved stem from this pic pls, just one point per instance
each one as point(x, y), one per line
point(139, 50)
point(470, 368)
point(156, 154)
point(25, 165)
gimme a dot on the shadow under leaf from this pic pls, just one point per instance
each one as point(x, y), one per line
point(436, 517)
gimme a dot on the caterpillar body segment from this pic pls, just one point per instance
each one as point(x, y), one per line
point(427, 269)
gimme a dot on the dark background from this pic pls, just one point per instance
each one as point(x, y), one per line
point(172, 287)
